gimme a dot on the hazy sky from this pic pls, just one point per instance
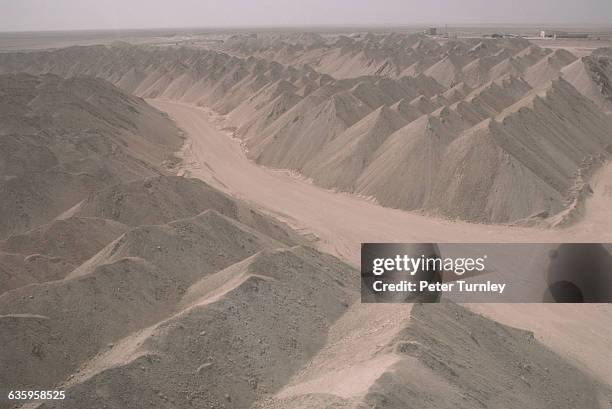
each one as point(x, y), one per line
point(116, 14)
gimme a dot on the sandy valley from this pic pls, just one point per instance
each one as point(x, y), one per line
point(343, 221)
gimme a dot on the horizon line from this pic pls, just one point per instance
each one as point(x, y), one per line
point(390, 26)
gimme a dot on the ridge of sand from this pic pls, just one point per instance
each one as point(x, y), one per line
point(425, 355)
point(183, 348)
point(133, 281)
point(346, 157)
point(592, 75)
point(549, 68)
point(283, 129)
point(348, 220)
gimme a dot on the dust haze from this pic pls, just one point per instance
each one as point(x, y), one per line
point(114, 14)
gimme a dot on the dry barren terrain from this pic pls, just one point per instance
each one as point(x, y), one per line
point(198, 247)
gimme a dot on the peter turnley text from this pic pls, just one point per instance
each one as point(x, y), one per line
point(421, 286)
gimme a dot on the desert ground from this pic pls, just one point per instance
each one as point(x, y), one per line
point(182, 215)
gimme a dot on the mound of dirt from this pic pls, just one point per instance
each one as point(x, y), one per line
point(294, 102)
point(62, 139)
point(346, 157)
point(427, 355)
point(161, 199)
point(297, 143)
point(427, 154)
point(275, 307)
point(548, 68)
point(592, 76)
point(51, 251)
point(63, 238)
point(535, 164)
